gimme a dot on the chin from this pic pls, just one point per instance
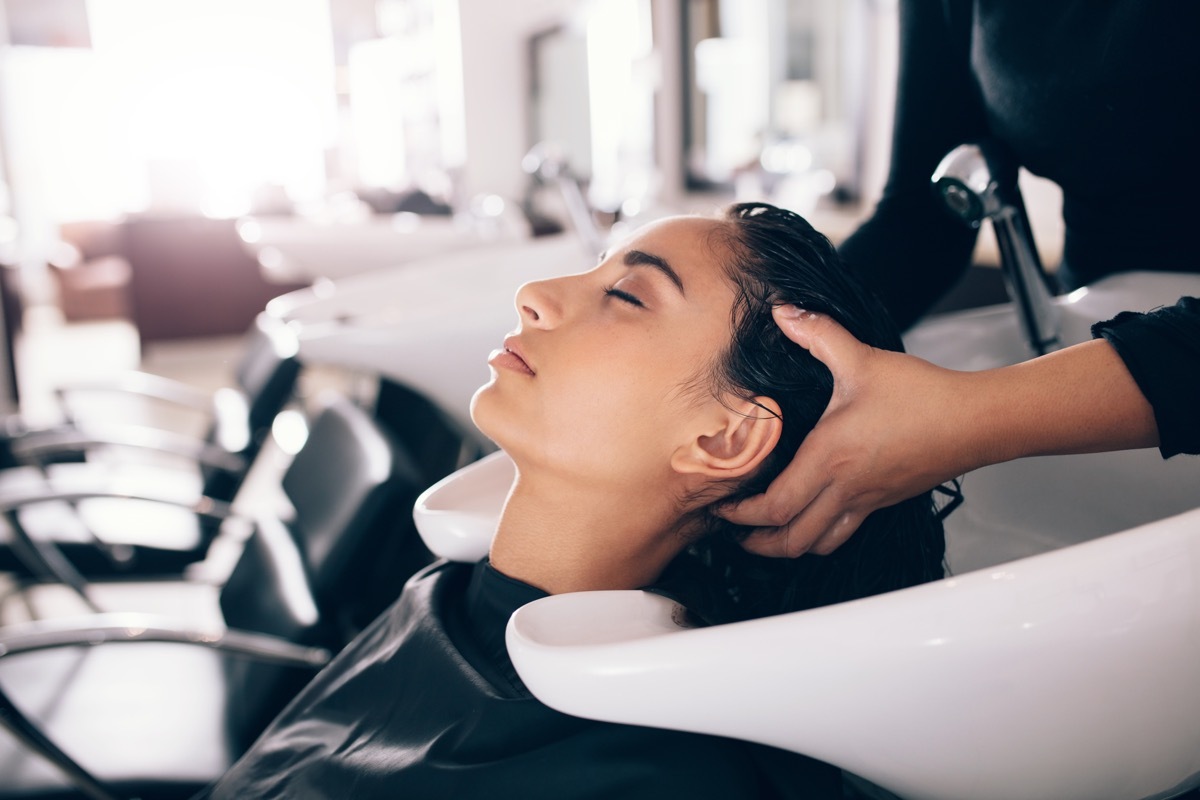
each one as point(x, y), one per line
point(484, 412)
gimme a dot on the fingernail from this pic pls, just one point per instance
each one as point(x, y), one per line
point(790, 311)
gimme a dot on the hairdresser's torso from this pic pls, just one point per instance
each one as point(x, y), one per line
point(1100, 98)
point(1096, 96)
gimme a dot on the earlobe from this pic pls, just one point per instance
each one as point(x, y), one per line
point(736, 443)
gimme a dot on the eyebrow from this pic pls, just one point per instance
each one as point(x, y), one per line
point(640, 258)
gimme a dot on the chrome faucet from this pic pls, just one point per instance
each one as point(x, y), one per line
point(976, 183)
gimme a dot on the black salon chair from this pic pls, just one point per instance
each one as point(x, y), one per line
point(143, 709)
point(90, 521)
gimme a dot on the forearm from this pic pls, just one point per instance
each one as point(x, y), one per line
point(1078, 400)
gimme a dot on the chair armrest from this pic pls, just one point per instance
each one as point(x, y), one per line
point(43, 557)
point(203, 506)
point(144, 384)
point(38, 446)
point(117, 628)
point(123, 627)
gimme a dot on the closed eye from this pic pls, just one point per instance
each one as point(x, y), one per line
point(612, 291)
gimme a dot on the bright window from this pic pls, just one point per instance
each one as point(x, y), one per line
point(180, 105)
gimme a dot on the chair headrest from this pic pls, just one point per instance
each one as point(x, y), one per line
point(268, 369)
point(338, 483)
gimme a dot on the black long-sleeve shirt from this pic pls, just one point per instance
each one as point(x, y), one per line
point(426, 704)
point(1161, 349)
point(1098, 97)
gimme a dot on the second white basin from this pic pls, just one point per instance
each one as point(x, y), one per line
point(303, 250)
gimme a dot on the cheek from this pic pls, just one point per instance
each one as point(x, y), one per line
point(594, 404)
point(616, 401)
point(610, 413)
point(580, 420)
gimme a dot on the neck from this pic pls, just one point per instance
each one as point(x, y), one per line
point(566, 536)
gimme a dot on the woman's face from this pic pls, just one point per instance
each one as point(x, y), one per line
point(606, 372)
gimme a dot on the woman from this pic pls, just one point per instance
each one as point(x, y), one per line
point(631, 399)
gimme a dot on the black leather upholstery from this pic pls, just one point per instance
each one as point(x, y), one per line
point(162, 720)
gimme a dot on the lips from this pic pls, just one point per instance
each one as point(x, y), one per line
point(511, 357)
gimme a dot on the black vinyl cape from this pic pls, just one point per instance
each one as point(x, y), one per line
point(1161, 349)
point(1098, 97)
point(426, 704)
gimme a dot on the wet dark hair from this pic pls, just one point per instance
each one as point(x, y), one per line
point(775, 256)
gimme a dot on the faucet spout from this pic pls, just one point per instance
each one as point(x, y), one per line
point(976, 184)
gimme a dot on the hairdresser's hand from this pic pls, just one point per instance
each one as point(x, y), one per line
point(882, 439)
point(897, 426)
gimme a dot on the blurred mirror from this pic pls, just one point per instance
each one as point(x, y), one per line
point(405, 104)
point(592, 84)
point(773, 95)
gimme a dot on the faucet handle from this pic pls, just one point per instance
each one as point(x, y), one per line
point(976, 180)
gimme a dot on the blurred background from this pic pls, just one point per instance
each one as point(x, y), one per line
point(254, 202)
point(178, 177)
point(169, 166)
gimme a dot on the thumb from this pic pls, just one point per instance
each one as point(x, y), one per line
point(819, 334)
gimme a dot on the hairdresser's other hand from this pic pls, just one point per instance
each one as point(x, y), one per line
point(879, 441)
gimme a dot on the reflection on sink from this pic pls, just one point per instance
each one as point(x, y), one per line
point(303, 250)
point(1033, 505)
point(991, 337)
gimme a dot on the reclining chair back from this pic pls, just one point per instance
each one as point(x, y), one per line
point(266, 377)
point(296, 576)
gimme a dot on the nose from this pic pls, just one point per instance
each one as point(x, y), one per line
point(539, 304)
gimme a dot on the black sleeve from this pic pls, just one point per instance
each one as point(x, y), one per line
point(911, 251)
point(1161, 349)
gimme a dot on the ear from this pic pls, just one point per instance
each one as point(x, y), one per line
point(739, 435)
